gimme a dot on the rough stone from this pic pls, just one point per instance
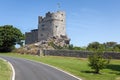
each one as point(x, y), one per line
point(53, 25)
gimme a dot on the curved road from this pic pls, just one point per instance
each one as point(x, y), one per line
point(30, 70)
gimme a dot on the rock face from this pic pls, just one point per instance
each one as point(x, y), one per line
point(51, 31)
point(51, 43)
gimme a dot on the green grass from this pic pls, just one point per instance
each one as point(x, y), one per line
point(78, 66)
point(5, 71)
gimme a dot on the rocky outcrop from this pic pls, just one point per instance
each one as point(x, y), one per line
point(51, 43)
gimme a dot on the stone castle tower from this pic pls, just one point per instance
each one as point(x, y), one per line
point(52, 25)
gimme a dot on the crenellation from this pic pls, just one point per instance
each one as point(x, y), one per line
point(40, 19)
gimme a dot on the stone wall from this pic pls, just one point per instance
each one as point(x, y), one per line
point(69, 53)
point(31, 37)
point(82, 54)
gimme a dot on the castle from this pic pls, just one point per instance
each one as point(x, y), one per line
point(52, 25)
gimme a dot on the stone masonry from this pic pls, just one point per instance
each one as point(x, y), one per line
point(52, 25)
point(31, 37)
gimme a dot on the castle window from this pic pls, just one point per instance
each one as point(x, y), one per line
point(62, 20)
point(56, 26)
point(62, 14)
point(43, 25)
point(41, 34)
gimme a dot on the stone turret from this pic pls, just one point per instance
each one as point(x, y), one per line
point(53, 24)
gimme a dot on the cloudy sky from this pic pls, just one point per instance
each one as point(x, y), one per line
point(87, 20)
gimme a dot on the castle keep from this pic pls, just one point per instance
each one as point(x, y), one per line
point(52, 25)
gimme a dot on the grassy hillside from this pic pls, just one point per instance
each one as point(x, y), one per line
point(78, 66)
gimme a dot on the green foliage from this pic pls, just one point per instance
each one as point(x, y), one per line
point(9, 36)
point(116, 48)
point(97, 62)
point(110, 44)
point(94, 46)
point(71, 47)
point(77, 48)
point(55, 46)
point(107, 47)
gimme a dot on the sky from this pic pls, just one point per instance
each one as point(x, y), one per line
point(86, 20)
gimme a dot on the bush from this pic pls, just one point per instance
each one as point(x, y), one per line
point(97, 61)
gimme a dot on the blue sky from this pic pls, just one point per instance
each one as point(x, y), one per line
point(87, 20)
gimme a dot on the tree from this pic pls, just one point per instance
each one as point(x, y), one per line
point(109, 46)
point(9, 36)
point(117, 48)
point(94, 46)
point(77, 48)
point(97, 61)
point(71, 47)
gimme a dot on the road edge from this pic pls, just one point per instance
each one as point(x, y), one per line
point(55, 68)
point(13, 70)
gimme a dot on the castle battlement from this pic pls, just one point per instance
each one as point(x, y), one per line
point(52, 16)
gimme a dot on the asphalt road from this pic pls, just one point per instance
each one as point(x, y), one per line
point(30, 70)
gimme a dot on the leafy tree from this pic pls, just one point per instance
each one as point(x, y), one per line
point(94, 46)
point(77, 48)
point(9, 36)
point(109, 46)
point(71, 47)
point(97, 61)
point(117, 48)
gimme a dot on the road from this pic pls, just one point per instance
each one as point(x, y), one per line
point(30, 70)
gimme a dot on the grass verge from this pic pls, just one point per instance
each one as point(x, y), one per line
point(77, 66)
point(5, 71)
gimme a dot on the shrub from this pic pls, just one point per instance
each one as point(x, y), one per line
point(97, 61)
